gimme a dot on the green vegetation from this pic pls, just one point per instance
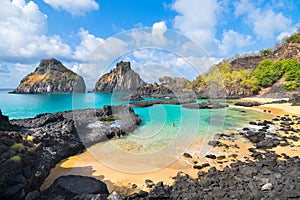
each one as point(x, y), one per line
point(265, 75)
point(223, 74)
point(290, 85)
point(268, 72)
point(109, 118)
point(292, 69)
point(265, 52)
point(73, 77)
point(16, 158)
point(294, 38)
point(17, 146)
point(61, 82)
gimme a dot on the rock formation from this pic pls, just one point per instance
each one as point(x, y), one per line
point(30, 148)
point(51, 77)
point(121, 79)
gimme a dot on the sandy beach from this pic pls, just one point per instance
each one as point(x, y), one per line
point(278, 109)
point(234, 148)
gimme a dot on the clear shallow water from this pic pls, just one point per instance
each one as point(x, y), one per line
point(156, 140)
point(156, 119)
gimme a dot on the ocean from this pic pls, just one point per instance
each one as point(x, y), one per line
point(154, 136)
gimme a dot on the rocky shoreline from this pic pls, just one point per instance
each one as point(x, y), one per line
point(31, 147)
point(264, 175)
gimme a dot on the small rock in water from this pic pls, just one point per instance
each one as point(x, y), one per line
point(267, 186)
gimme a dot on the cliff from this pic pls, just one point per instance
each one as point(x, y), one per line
point(121, 79)
point(51, 77)
point(268, 73)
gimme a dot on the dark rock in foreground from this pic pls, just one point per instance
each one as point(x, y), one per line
point(72, 186)
point(30, 148)
point(4, 122)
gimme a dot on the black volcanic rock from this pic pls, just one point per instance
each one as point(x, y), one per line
point(121, 79)
point(72, 185)
point(30, 148)
point(4, 121)
point(51, 77)
point(248, 104)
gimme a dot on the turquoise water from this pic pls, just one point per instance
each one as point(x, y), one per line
point(155, 140)
point(155, 118)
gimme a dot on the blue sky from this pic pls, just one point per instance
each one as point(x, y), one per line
point(71, 30)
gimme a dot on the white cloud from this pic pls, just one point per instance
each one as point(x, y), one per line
point(232, 41)
point(265, 21)
point(197, 19)
point(97, 54)
point(158, 30)
point(23, 36)
point(74, 7)
point(88, 43)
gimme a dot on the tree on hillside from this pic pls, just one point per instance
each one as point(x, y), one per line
point(268, 72)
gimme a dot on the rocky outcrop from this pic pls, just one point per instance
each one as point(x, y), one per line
point(121, 79)
point(4, 122)
point(75, 187)
point(248, 104)
point(295, 100)
point(154, 90)
point(51, 77)
point(28, 154)
point(30, 148)
point(205, 105)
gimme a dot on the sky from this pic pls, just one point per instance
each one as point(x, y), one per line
point(159, 37)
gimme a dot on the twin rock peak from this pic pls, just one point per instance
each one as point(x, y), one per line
point(52, 77)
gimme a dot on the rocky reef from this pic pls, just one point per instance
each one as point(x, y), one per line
point(121, 79)
point(51, 77)
point(30, 148)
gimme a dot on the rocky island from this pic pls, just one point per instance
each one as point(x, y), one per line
point(51, 77)
point(121, 79)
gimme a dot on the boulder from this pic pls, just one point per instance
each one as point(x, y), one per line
point(71, 185)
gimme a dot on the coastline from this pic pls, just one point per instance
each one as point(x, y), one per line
point(218, 152)
point(128, 183)
point(232, 150)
